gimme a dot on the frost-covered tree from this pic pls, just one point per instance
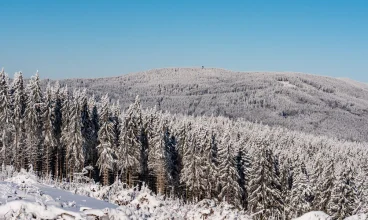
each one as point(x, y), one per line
point(19, 105)
point(325, 187)
point(192, 174)
point(211, 162)
point(48, 131)
point(344, 196)
point(265, 198)
point(106, 139)
point(301, 195)
point(6, 125)
point(95, 127)
point(57, 123)
point(243, 166)
point(73, 139)
point(228, 176)
point(33, 122)
point(130, 146)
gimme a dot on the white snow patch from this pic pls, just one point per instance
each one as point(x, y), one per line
point(315, 215)
point(287, 84)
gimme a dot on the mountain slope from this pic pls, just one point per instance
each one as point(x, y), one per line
point(310, 103)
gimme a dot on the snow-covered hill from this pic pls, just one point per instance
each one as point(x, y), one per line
point(309, 103)
point(24, 196)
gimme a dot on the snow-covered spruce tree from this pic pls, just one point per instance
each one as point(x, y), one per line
point(265, 199)
point(172, 162)
point(148, 133)
point(163, 159)
point(228, 177)
point(210, 162)
point(301, 195)
point(57, 120)
point(87, 129)
point(316, 179)
point(116, 122)
point(19, 105)
point(130, 146)
point(192, 174)
point(287, 180)
point(157, 157)
point(33, 124)
point(74, 155)
point(106, 139)
point(6, 124)
point(95, 127)
point(66, 113)
point(344, 196)
point(362, 186)
point(48, 131)
point(243, 166)
point(325, 187)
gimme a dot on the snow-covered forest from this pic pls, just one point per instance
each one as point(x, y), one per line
point(265, 171)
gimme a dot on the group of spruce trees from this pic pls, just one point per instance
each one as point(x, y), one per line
point(270, 172)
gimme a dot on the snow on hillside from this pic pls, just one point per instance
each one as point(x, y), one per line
point(23, 196)
point(309, 103)
point(314, 216)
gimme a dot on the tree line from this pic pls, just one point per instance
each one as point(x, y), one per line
point(268, 171)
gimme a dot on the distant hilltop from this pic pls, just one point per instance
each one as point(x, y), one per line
point(304, 102)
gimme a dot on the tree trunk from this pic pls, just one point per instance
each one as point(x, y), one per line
point(105, 177)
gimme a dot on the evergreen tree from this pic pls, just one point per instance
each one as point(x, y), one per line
point(95, 127)
point(192, 174)
point(343, 197)
point(301, 194)
point(106, 138)
point(57, 124)
point(230, 189)
point(6, 125)
point(243, 166)
point(130, 146)
point(265, 198)
point(325, 189)
point(33, 122)
point(19, 105)
point(48, 131)
point(73, 139)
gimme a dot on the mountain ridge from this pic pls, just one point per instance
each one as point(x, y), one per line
point(305, 102)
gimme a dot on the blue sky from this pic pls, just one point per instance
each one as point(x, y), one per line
point(64, 39)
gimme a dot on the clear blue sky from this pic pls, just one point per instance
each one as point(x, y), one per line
point(64, 39)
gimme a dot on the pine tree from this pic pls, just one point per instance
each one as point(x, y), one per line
point(74, 155)
point(106, 138)
point(343, 197)
point(192, 174)
point(48, 131)
point(265, 198)
point(301, 194)
point(95, 127)
point(19, 105)
point(33, 122)
point(6, 125)
point(57, 124)
point(243, 165)
point(230, 189)
point(66, 114)
point(130, 146)
point(325, 189)
point(211, 162)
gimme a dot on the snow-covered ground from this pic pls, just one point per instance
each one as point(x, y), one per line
point(23, 196)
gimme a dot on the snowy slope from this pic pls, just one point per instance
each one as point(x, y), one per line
point(23, 196)
point(304, 102)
